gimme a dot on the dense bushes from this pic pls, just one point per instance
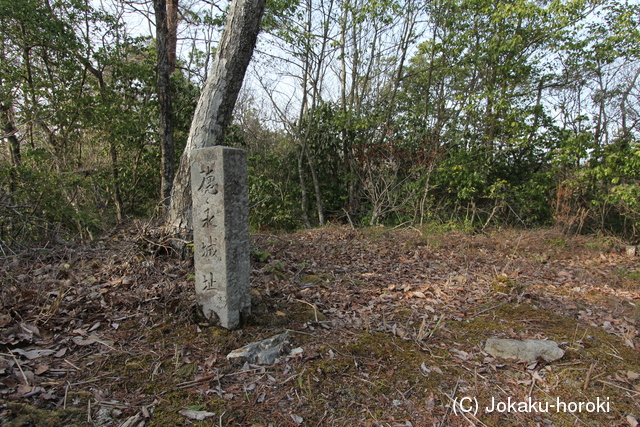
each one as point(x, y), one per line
point(485, 114)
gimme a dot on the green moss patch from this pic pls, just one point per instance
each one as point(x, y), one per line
point(21, 414)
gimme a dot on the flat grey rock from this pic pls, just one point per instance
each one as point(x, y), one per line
point(263, 352)
point(525, 350)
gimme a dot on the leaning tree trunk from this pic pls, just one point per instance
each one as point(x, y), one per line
point(216, 103)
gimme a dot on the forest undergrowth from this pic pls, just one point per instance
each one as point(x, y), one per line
point(388, 328)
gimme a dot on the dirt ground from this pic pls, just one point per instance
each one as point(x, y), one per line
point(387, 328)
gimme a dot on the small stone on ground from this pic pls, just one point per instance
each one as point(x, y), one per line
point(524, 350)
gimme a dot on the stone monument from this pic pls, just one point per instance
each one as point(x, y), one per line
point(221, 234)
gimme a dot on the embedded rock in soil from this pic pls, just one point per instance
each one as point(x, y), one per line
point(526, 350)
point(263, 352)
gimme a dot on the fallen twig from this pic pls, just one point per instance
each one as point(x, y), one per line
point(588, 379)
point(315, 309)
point(636, 393)
point(24, 377)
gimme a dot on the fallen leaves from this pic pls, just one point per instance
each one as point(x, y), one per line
point(19, 333)
point(115, 327)
point(33, 354)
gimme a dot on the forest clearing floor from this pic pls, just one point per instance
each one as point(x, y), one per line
point(387, 326)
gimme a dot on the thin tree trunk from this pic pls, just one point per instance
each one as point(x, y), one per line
point(172, 33)
point(407, 34)
point(600, 134)
point(626, 134)
point(315, 84)
point(117, 197)
point(8, 127)
point(345, 131)
point(163, 72)
point(10, 132)
point(303, 189)
point(217, 100)
point(316, 187)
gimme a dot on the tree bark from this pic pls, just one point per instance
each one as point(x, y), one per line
point(215, 107)
point(626, 133)
point(8, 127)
point(316, 187)
point(115, 178)
point(303, 189)
point(163, 73)
point(10, 133)
point(172, 33)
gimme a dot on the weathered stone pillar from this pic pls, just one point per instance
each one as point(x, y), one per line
point(221, 234)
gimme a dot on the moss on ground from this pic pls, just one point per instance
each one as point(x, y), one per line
point(377, 372)
point(22, 414)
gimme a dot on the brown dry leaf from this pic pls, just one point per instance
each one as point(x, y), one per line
point(33, 354)
point(41, 369)
point(17, 334)
point(91, 339)
point(24, 375)
point(83, 342)
point(633, 422)
point(10, 383)
point(430, 403)
point(210, 361)
point(5, 319)
point(620, 377)
point(99, 395)
point(24, 389)
point(462, 355)
point(629, 342)
point(49, 396)
point(633, 375)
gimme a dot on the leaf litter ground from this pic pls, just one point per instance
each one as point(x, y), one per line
point(388, 328)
